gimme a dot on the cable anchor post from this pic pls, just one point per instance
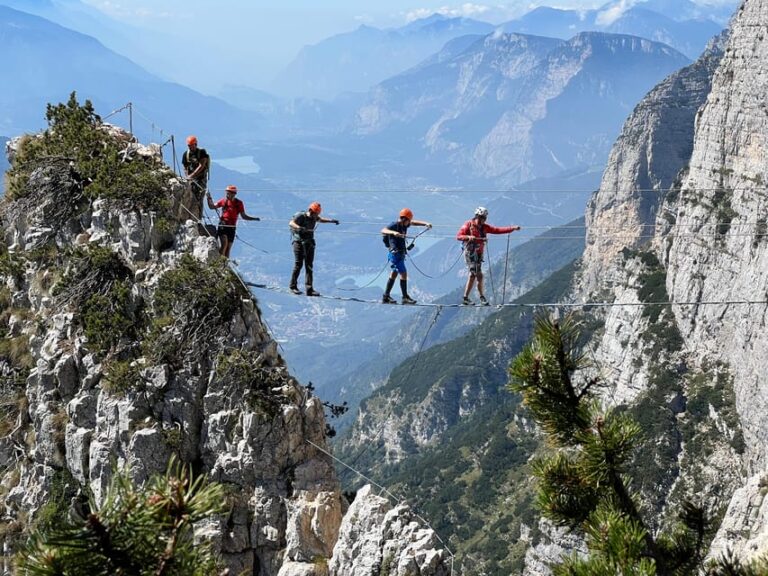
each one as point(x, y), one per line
point(130, 118)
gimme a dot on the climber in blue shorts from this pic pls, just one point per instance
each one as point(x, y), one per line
point(394, 238)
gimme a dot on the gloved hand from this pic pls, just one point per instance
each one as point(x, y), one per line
point(411, 246)
point(335, 222)
point(257, 219)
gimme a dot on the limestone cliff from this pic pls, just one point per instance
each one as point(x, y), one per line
point(676, 239)
point(127, 340)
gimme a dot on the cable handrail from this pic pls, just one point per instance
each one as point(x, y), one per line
point(379, 190)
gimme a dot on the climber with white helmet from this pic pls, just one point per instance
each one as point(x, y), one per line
point(394, 238)
point(303, 237)
point(231, 209)
point(473, 235)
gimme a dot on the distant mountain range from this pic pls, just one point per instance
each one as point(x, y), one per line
point(357, 60)
point(513, 107)
point(43, 62)
point(144, 46)
point(687, 31)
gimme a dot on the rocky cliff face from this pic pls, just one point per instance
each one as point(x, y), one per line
point(126, 341)
point(679, 218)
point(722, 205)
point(655, 145)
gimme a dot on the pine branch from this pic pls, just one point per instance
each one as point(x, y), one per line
point(584, 483)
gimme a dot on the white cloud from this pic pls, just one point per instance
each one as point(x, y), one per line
point(466, 10)
point(610, 15)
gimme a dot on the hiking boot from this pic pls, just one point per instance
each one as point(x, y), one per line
point(484, 302)
point(466, 301)
point(408, 300)
point(295, 290)
point(312, 292)
point(387, 299)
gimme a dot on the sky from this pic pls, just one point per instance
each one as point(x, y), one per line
point(260, 37)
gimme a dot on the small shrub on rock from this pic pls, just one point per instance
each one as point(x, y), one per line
point(193, 306)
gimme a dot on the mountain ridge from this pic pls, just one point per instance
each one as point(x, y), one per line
point(354, 61)
point(109, 79)
point(509, 108)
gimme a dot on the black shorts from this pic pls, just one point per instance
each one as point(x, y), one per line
point(227, 231)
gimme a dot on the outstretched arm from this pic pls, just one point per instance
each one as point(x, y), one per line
point(328, 220)
point(246, 217)
point(500, 229)
point(421, 223)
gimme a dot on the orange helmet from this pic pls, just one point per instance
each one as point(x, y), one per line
point(406, 213)
point(232, 188)
point(315, 208)
point(191, 140)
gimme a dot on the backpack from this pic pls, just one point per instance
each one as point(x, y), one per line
point(385, 239)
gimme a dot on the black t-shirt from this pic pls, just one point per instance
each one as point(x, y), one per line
point(307, 223)
point(192, 159)
point(395, 243)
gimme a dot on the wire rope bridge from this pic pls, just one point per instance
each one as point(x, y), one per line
point(678, 230)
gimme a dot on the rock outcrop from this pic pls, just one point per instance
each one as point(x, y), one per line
point(132, 342)
point(386, 540)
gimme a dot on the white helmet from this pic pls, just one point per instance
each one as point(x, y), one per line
point(481, 212)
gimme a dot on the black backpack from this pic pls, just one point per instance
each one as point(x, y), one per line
point(385, 239)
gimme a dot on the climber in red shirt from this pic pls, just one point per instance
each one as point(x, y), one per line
point(473, 234)
point(231, 209)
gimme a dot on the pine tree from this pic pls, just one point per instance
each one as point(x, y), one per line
point(136, 532)
point(583, 481)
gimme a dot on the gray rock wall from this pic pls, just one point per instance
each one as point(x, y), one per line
point(686, 183)
point(723, 206)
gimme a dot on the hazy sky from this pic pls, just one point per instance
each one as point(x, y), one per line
point(261, 36)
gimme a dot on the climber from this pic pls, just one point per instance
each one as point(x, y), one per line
point(303, 237)
point(473, 234)
point(231, 209)
point(394, 238)
point(196, 163)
